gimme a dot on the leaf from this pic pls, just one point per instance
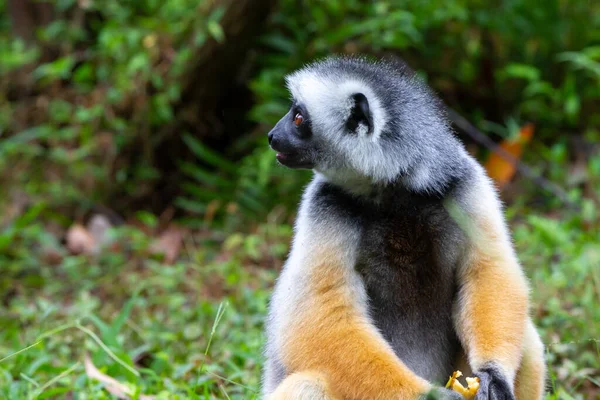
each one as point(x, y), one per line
point(192, 206)
point(169, 243)
point(137, 63)
point(111, 385)
point(502, 170)
point(147, 218)
point(207, 155)
point(105, 330)
point(79, 240)
point(63, 5)
point(122, 316)
point(53, 393)
point(582, 60)
point(216, 31)
point(84, 74)
point(29, 135)
point(553, 232)
point(572, 105)
point(30, 216)
point(521, 71)
point(58, 69)
point(281, 43)
point(205, 177)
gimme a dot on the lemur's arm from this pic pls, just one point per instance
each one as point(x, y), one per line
point(325, 338)
point(329, 335)
point(492, 306)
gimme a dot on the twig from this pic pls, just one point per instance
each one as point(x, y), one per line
point(464, 125)
point(20, 351)
point(57, 378)
point(106, 349)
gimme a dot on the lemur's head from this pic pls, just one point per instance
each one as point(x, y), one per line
point(352, 118)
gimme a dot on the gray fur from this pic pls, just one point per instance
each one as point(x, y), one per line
point(494, 385)
point(274, 371)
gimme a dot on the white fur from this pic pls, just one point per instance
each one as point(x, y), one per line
point(292, 287)
point(482, 202)
point(326, 96)
point(329, 103)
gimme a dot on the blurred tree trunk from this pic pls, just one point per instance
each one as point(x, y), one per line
point(220, 69)
point(215, 98)
point(28, 15)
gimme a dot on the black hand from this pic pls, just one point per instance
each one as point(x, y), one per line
point(493, 385)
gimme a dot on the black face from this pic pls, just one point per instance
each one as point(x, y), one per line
point(291, 139)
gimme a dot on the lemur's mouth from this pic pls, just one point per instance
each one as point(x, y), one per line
point(283, 156)
point(293, 160)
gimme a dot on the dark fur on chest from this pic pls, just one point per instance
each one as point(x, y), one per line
point(401, 260)
point(407, 259)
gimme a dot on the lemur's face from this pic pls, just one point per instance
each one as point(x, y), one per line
point(314, 133)
point(292, 139)
point(358, 123)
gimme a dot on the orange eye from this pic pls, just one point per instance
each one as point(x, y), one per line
point(298, 119)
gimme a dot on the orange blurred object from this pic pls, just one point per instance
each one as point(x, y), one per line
point(501, 170)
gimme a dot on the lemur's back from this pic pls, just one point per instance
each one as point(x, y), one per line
point(408, 252)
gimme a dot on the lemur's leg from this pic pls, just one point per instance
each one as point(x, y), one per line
point(531, 376)
point(328, 333)
point(307, 385)
point(491, 314)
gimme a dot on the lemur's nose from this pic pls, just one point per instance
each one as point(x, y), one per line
point(270, 137)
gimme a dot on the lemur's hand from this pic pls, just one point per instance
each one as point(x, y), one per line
point(442, 394)
point(493, 385)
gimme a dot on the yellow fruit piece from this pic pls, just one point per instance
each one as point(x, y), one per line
point(468, 392)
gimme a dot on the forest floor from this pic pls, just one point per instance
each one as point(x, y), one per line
point(124, 322)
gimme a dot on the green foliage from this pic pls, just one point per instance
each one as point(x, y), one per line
point(563, 263)
point(83, 108)
point(112, 85)
point(14, 54)
point(192, 330)
point(534, 61)
point(252, 188)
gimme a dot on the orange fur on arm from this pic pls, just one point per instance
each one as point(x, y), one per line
point(492, 307)
point(331, 335)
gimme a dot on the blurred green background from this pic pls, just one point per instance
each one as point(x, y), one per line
point(143, 218)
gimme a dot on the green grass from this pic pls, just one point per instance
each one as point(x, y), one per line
point(562, 259)
point(189, 330)
point(194, 329)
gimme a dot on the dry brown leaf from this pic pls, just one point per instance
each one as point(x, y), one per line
point(52, 256)
point(502, 170)
point(112, 385)
point(88, 239)
point(169, 244)
point(79, 240)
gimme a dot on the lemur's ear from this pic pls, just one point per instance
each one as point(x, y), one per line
point(360, 114)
